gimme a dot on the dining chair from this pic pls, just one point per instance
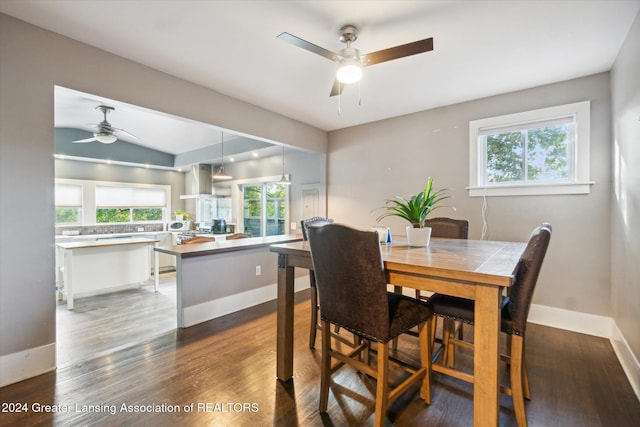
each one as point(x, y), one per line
point(513, 320)
point(236, 236)
point(448, 228)
point(198, 239)
point(352, 291)
point(315, 324)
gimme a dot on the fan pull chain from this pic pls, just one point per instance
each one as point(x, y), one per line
point(339, 99)
point(359, 96)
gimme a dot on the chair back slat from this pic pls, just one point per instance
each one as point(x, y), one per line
point(350, 279)
point(448, 228)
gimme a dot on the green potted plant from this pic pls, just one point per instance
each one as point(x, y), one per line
point(415, 210)
point(181, 215)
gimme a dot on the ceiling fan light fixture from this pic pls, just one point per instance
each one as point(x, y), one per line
point(349, 73)
point(105, 138)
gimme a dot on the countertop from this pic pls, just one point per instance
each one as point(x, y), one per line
point(106, 242)
point(211, 248)
point(76, 237)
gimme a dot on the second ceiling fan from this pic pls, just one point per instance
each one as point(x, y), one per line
point(104, 132)
point(349, 59)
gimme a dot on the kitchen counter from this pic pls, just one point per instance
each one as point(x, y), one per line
point(106, 242)
point(221, 277)
point(99, 266)
point(221, 246)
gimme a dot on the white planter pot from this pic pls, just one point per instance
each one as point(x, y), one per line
point(418, 237)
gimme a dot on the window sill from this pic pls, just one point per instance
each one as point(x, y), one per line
point(531, 190)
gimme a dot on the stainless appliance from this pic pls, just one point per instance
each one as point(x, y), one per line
point(178, 226)
point(203, 228)
point(219, 226)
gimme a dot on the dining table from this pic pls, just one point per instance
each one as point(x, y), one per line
point(476, 269)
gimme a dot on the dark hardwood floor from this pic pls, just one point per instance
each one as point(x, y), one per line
point(222, 373)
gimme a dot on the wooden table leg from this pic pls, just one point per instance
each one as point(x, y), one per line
point(284, 350)
point(486, 387)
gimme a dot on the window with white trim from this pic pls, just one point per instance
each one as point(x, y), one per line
point(128, 203)
point(80, 202)
point(543, 151)
point(265, 207)
point(68, 201)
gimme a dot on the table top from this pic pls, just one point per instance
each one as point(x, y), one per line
point(483, 261)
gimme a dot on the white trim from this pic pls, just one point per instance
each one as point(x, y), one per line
point(579, 182)
point(25, 364)
point(543, 189)
point(199, 313)
point(590, 324)
point(629, 362)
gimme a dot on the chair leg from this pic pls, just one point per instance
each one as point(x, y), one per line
point(314, 312)
point(448, 335)
point(325, 370)
point(426, 351)
point(517, 379)
point(525, 378)
point(382, 387)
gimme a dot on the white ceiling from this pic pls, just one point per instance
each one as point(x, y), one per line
point(481, 48)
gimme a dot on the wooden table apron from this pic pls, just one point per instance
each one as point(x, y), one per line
point(474, 269)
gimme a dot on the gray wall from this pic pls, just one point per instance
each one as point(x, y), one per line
point(303, 167)
point(32, 62)
point(625, 200)
point(376, 161)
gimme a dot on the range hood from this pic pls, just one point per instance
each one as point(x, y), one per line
point(198, 182)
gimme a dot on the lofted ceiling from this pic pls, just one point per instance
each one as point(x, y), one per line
point(481, 48)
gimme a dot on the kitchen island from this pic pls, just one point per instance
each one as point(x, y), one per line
point(221, 277)
point(100, 266)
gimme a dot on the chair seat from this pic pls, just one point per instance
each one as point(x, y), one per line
point(463, 309)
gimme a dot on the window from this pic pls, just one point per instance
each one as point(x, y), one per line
point(127, 203)
point(264, 208)
point(80, 202)
point(543, 151)
point(68, 200)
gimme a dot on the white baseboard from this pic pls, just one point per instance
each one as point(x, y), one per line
point(25, 364)
point(629, 362)
point(590, 324)
point(212, 309)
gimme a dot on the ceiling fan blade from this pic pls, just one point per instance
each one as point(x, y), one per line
point(337, 88)
point(82, 141)
point(297, 41)
point(397, 52)
point(122, 131)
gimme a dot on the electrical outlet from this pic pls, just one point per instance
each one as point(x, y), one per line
point(293, 225)
point(258, 270)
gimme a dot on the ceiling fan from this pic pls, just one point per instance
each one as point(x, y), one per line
point(105, 133)
point(350, 61)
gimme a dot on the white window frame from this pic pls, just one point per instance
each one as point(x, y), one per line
point(89, 207)
point(238, 201)
point(577, 183)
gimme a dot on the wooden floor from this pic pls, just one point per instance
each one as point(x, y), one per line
point(100, 324)
point(222, 373)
